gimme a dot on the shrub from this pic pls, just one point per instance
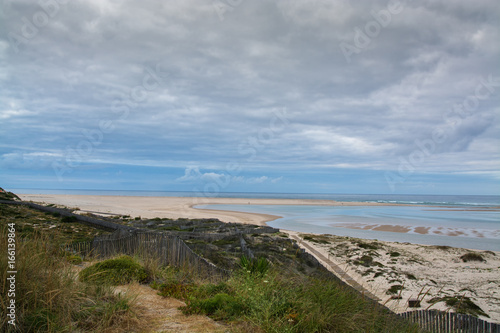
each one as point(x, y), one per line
point(394, 289)
point(74, 259)
point(69, 219)
point(175, 289)
point(369, 246)
point(472, 256)
point(116, 271)
point(461, 304)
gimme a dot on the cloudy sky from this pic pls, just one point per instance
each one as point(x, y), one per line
point(262, 96)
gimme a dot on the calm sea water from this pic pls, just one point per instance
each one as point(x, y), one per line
point(458, 200)
point(476, 228)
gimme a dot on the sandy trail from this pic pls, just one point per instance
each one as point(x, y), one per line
point(162, 314)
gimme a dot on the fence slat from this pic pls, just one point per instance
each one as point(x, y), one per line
point(447, 322)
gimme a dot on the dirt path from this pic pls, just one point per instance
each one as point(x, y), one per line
point(160, 314)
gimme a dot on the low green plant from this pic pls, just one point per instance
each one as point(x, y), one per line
point(257, 266)
point(74, 259)
point(115, 271)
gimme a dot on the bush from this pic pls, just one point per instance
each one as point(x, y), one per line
point(175, 289)
point(116, 271)
point(461, 304)
point(69, 219)
point(74, 259)
point(394, 289)
point(369, 246)
point(472, 256)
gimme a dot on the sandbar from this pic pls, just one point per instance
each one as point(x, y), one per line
point(177, 207)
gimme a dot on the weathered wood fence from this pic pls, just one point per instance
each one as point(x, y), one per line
point(447, 322)
point(170, 250)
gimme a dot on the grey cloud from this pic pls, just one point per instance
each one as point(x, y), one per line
point(223, 79)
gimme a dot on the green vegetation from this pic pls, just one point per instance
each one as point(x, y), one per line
point(394, 289)
point(320, 239)
point(115, 271)
point(256, 266)
point(49, 298)
point(74, 259)
point(278, 302)
point(30, 222)
point(69, 219)
point(4, 195)
point(461, 304)
point(369, 246)
point(472, 256)
point(394, 254)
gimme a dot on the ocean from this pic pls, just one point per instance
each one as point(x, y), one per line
point(454, 220)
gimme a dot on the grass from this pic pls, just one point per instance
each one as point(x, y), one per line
point(276, 301)
point(116, 271)
point(48, 296)
point(30, 223)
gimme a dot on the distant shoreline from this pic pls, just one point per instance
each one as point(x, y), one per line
point(180, 207)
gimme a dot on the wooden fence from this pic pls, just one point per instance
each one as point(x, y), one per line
point(170, 250)
point(447, 322)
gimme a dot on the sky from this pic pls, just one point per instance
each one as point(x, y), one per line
point(251, 96)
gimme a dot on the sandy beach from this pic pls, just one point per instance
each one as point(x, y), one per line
point(422, 271)
point(176, 207)
point(425, 272)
